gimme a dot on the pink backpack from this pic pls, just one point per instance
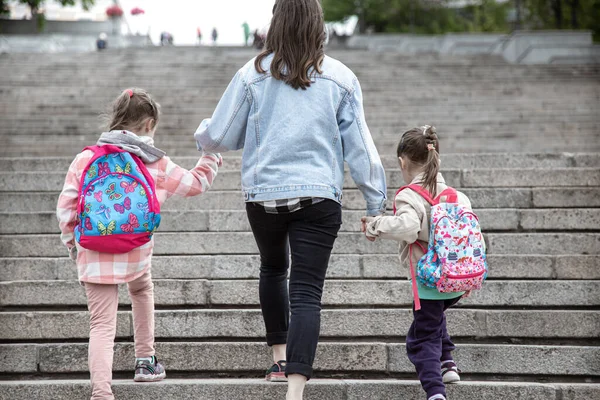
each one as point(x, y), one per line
point(118, 210)
point(455, 260)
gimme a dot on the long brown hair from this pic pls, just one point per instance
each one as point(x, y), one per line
point(132, 109)
point(421, 146)
point(297, 40)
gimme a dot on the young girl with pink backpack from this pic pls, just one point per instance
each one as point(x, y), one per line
point(442, 247)
point(108, 211)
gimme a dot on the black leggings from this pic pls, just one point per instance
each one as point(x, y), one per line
point(311, 233)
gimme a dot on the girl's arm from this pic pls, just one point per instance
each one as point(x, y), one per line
point(226, 130)
point(404, 226)
point(360, 152)
point(66, 209)
point(179, 181)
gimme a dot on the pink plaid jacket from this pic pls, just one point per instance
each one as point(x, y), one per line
point(170, 180)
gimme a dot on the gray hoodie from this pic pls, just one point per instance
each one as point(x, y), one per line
point(141, 146)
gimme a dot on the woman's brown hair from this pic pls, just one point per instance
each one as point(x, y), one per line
point(132, 109)
point(421, 146)
point(296, 39)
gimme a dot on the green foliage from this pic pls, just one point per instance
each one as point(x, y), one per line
point(420, 16)
point(4, 7)
point(35, 5)
point(563, 14)
point(434, 16)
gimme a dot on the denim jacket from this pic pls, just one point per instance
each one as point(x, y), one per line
point(296, 141)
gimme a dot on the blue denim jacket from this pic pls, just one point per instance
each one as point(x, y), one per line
point(296, 141)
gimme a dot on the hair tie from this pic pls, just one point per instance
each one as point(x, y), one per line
point(129, 92)
point(430, 146)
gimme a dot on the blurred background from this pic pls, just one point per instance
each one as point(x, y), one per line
point(234, 18)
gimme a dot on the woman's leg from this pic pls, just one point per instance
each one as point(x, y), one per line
point(141, 292)
point(103, 301)
point(424, 345)
point(312, 235)
point(270, 233)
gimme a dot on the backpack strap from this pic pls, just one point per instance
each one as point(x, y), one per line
point(420, 190)
point(450, 195)
point(413, 277)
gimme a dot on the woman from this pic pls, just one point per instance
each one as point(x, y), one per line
point(298, 115)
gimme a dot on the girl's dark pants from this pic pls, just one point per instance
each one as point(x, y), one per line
point(311, 233)
point(428, 343)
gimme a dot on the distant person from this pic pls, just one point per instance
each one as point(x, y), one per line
point(246, 33)
point(215, 36)
point(117, 216)
point(299, 116)
point(199, 35)
point(259, 40)
point(102, 42)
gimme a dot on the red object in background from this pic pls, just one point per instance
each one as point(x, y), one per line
point(114, 11)
point(137, 11)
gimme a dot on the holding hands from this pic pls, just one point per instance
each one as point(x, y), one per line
point(365, 221)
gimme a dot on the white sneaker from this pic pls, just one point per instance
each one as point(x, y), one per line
point(450, 372)
point(437, 397)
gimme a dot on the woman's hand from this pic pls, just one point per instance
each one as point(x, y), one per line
point(363, 228)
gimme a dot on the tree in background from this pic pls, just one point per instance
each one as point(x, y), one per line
point(419, 16)
point(36, 5)
point(4, 8)
point(562, 14)
point(436, 16)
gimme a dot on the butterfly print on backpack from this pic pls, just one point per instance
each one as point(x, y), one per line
point(129, 187)
point(125, 206)
point(131, 225)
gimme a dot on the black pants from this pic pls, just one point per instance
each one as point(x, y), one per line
point(311, 233)
point(428, 343)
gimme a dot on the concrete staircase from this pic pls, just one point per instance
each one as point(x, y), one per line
point(533, 333)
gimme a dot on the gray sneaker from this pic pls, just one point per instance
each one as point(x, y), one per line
point(149, 371)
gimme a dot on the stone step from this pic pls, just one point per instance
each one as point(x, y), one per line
point(568, 197)
point(450, 161)
point(211, 243)
point(564, 267)
point(467, 178)
point(354, 323)
point(317, 389)
point(492, 220)
point(344, 358)
point(354, 293)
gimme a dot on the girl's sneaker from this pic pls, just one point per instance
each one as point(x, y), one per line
point(450, 372)
point(438, 397)
point(277, 372)
point(149, 370)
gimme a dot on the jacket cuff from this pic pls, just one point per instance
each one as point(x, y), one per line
point(374, 210)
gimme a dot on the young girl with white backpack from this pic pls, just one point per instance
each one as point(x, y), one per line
point(442, 247)
point(108, 211)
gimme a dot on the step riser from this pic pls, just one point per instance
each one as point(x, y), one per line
point(346, 243)
point(451, 161)
point(316, 390)
point(353, 200)
point(230, 180)
point(336, 293)
point(248, 324)
point(237, 221)
point(373, 357)
point(568, 267)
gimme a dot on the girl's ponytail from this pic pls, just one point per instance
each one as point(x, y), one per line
point(132, 109)
point(432, 165)
point(421, 146)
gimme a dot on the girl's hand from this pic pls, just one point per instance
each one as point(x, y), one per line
point(73, 253)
